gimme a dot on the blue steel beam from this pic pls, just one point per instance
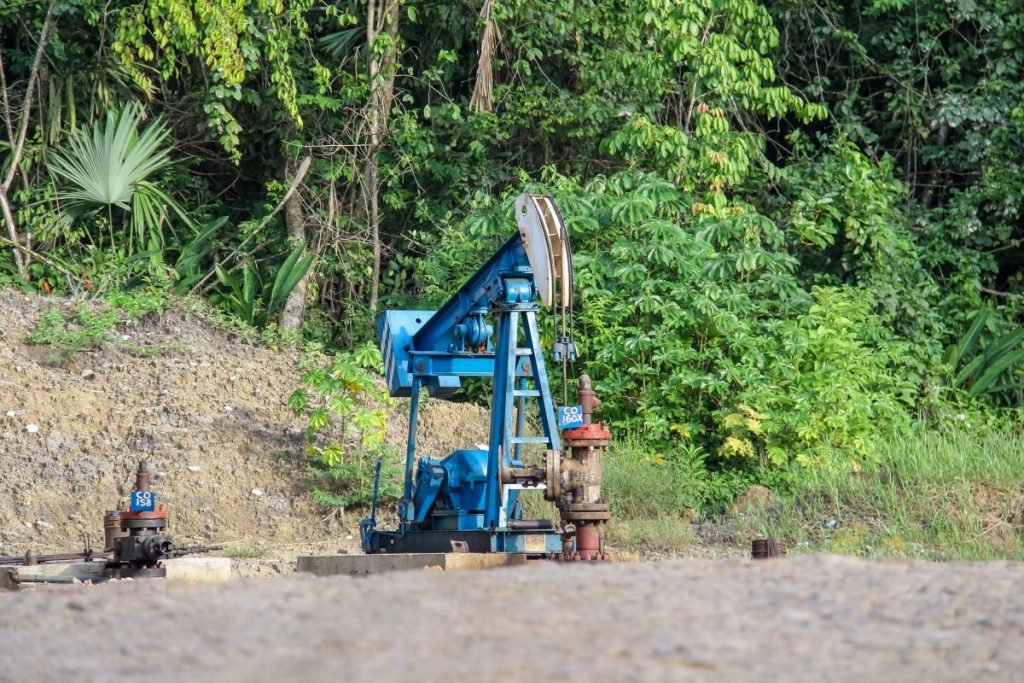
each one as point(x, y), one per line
point(484, 287)
point(461, 365)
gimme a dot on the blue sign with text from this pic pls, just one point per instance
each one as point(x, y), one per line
point(570, 417)
point(143, 501)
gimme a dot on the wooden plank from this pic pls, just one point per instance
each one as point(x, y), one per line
point(68, 572)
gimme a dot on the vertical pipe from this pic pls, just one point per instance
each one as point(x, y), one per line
point(410, 447)
point(143, 476)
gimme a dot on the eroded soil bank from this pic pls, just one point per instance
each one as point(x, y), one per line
point(207, 409)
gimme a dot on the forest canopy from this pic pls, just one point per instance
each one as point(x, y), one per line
point(797, 224)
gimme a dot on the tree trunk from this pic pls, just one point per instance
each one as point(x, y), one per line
point(12, 232)
point(17, 138)
point(382, 17)
point(295, 219)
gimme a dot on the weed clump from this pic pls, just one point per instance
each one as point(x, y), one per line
point(941, 496)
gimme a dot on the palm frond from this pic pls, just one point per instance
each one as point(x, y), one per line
point(105, 165)
point(109, 163)
point(340, 43)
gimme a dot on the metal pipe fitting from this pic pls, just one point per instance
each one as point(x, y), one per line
point(587, 398)
point(530, 524)
point(144, 476)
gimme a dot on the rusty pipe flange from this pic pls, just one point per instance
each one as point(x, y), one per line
point(155, 519)
point(143, 524)
point(595, 434)
point(586, 516)
point(585, 512)
point(765, 548)
point(553, 470)
point(159, 513)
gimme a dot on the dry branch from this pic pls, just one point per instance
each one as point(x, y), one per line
point(483, 89)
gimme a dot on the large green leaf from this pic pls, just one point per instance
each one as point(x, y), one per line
point(105, 165)
point(993, 372)
point(967, 343)
point(288, 276)
point(109, 165)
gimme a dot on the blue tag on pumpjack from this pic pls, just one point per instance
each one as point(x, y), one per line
point(143, 501)
point(570, 417)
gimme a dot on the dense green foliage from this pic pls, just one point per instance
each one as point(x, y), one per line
point(796, 224)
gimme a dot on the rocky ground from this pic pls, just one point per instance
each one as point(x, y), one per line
point(208, 410)
point(809, 618)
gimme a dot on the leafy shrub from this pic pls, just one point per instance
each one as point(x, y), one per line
point(837, 379)
point(699, 331)
point(345, 406)
point(986, 366)
point(252, 300)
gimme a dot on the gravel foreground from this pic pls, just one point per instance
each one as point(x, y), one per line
point(811, 618)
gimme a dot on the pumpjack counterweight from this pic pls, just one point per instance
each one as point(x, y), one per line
point(469, 501)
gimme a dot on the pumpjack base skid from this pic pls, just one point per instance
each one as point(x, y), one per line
point(534, 543)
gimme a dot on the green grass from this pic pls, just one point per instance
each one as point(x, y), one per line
point(932, 496)
point(938, 496)
point(658, 536)
point(245, 553)
point(68, 330)
point(652, 503)
point(642, 484)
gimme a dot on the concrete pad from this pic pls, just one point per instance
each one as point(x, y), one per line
point(179, 569)
point(198, 569)
point(360, 565)
point(64, 572)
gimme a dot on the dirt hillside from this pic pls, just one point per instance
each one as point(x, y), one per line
point(207, 409)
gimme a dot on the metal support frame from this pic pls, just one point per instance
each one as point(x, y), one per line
point(432, 350)
point(505, 445)
point(515, 367)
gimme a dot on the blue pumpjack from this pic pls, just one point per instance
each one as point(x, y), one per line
point(469, 500)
